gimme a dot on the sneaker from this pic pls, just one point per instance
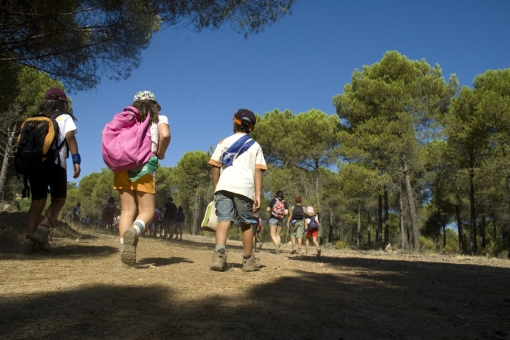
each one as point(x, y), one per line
point(40, 237)
point(298, 251)
point(218, 262)
point(128, 250)
point(293, 251)
point(250, 264)
point(257, 262)
point(27, 247)
point(318, 251)
point(276, 249)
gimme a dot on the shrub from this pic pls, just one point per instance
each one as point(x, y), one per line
point(342, 245)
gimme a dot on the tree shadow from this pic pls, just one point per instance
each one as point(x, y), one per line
point(395, 301)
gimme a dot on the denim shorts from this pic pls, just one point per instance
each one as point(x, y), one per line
point(276, 221)
point(229, 205)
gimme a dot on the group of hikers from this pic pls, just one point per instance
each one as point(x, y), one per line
point(299, 222)
point(237, 171)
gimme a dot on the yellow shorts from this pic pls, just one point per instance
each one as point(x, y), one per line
point(146, 183)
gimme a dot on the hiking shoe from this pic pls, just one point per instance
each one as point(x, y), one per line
point(250, 264)
point(257, 262)
point(218, 262)
point(128, 250)
point(27, 247)
point(40, 238)
point(298, 251)
point(318, 251)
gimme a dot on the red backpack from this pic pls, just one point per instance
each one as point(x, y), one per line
point(278, 210)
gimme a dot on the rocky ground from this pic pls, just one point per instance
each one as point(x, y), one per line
point(81, 292)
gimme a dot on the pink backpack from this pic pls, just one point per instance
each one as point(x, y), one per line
point(126, 141)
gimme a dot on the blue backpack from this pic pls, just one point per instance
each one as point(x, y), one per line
point(313, 224)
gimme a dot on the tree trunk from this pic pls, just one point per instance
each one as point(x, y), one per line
point(494, 230)
point(369, 237)
point(378, 236)
point(358, 229)
point(438, 231)
point(330, 236)
point(402, 229)
point(460, 230)
point(472, 231)
point(11, 137)
point(412, 210)
point(386, 219)
point(482, 231)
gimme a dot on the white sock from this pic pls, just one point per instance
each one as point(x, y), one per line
point(139, 225)
point(121, 240)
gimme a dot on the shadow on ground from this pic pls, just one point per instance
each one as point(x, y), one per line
point(351, 299)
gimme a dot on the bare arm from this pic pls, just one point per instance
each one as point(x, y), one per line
point(72, 144)
point(215, 172)
point(164, 140)
point(258, 189)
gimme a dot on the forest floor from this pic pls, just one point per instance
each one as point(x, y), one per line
point(81, 292)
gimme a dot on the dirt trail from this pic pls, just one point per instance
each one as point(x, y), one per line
point(81, 292)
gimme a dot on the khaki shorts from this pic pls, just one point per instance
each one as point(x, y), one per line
point(297, 230)
point(146, 183)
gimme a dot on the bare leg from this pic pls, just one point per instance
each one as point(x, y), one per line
point(127, 216)
point(221, 232)
point(315, 241)
point(53, 210)
point(247, 239)
point(34, 215)
point(274, 235)
point(278, 232)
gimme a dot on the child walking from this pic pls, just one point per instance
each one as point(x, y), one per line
point(237, 168)
point(53, 175)
point(140, 185)
point(312, 225)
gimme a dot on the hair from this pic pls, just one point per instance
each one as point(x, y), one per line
point(111, 199)
point(146, 107)
point(242, 128)
point(170, 198)
point(180, 209)
point(47, 107)
point(79, 204)
point(279, 194)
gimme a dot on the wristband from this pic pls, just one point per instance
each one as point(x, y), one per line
point(76, 158)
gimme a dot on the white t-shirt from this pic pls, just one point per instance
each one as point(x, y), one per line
point(239, 178)
point(65, 124)
point(155, 132)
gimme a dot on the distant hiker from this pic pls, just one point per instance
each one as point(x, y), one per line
point(179, 225)
point(109, 213)
point(278, 209)
point(48, 171)
point(155, 222)
point(139, 185)
point(256, 226)
point(296, 225)
point(76, 212)
point(169, 217)
point(312, 225)
point(237, 167)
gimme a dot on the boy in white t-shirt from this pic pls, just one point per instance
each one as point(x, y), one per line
point(238, 164)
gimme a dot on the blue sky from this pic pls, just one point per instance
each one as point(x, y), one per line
point(300, 63)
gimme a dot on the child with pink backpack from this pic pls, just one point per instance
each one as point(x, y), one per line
point(132, 145)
